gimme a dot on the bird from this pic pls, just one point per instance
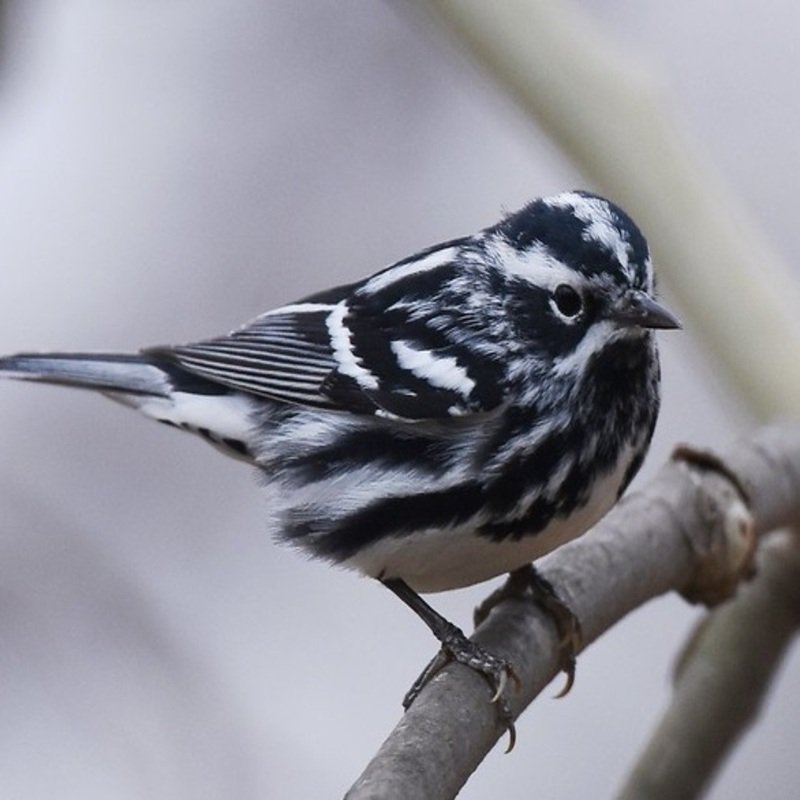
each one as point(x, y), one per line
point(449, 419)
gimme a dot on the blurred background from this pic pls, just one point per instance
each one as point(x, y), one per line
point(169, 170)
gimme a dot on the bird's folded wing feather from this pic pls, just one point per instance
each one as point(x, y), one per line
point(284, 355)
point(351, 357)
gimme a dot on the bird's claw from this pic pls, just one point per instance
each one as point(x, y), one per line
point(497, 671)
point(527, 584)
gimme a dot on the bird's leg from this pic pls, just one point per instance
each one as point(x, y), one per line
point(526, 583)
point(456, 647)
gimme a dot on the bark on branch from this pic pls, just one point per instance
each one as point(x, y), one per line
point(722, 681)
point(682, 533)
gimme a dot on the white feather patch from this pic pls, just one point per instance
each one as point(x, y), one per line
point(294, 308)
point(441, 372)
point(226, 416)
point(431, 261)
point(348, 363)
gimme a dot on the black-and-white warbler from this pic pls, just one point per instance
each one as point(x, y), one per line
point(449, 419)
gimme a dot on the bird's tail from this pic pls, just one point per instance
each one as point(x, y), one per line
point(153, 385)
point(129, 374)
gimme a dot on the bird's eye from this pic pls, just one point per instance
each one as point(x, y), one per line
point(567, 301)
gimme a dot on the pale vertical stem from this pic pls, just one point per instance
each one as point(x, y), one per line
point(608, 114)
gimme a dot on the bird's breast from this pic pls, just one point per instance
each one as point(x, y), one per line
point(441, 559)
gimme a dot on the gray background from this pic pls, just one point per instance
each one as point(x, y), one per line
point(167, 171)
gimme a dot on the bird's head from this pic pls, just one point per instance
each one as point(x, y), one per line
point(579, 276)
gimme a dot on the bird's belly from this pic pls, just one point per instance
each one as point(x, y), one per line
point(451, 558)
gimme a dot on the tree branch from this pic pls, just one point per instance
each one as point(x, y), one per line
point(723, 679)
point(608, 114)
point(672, 535)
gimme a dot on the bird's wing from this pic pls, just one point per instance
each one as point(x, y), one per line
point(375, 348)
point(404, 361)
point(283, 355)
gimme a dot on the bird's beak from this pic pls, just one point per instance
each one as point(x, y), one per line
point(637, 308)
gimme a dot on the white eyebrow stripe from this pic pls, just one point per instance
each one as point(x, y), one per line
point(535, 264)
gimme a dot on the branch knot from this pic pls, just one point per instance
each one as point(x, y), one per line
point(725, 547)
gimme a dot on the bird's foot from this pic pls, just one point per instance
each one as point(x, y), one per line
point(526, 583)
point(497, 672)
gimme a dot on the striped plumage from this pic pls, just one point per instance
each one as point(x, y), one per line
point(448, 419)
